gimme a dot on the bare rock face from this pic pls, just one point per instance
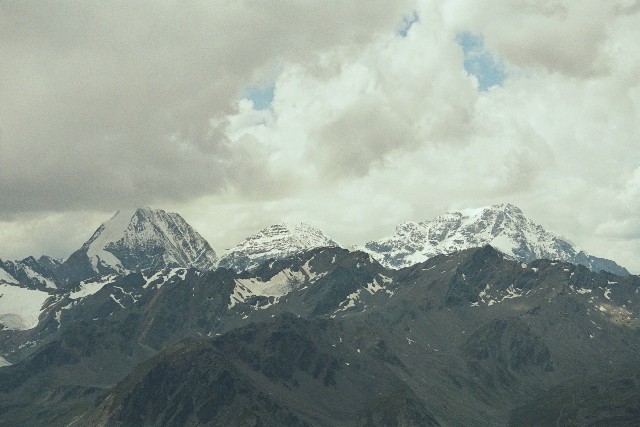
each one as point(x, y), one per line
point(505, 227)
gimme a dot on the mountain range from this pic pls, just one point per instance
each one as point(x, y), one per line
point(145, 325)
point(144, 238)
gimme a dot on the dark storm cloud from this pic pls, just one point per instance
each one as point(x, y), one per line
point(111, 103)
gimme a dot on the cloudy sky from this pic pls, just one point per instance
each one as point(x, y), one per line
point(353, 116)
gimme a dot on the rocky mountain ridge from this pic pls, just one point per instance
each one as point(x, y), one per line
point(504, 226)
point(134, 240)
point(30, 272)
point(303, 332)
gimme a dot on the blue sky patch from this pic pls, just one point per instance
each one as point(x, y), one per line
point(480, 62)
point(407, 23)
point(260, 95)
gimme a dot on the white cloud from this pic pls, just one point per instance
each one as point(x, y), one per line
point(368, 128)
point(53, 234)
point(114, 100)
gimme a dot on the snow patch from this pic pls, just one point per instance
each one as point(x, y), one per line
point(117, 301)
point(155, 276)
point(504, 244)
point(38, 277)
point(279, 285)
point(512, 292)
point(485, 292)
point(90, 287)
point(161, 277)
point(133, 297)
point(374, 287)
point(350, 302)
point(20, 308)
point(7, 278)
point(485, 297)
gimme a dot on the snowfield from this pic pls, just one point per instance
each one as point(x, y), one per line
point(20, 308)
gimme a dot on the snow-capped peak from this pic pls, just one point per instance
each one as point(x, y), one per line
point(137, 239)
point(275, 242)
point(502, 226)
point(304, 236)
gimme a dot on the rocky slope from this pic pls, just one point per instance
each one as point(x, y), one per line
point(469, 338)
point(303, 332)
point(287, 371)
point(274, 242)
point(504, 227)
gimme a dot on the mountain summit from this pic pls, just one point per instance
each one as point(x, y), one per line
point(143, 238)
point(275, 242)
point(502, 226)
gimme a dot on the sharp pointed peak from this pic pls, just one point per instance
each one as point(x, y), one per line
point(133, 210)
point(129, 213)
point(141, 237)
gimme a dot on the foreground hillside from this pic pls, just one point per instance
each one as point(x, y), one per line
point(331, 337)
